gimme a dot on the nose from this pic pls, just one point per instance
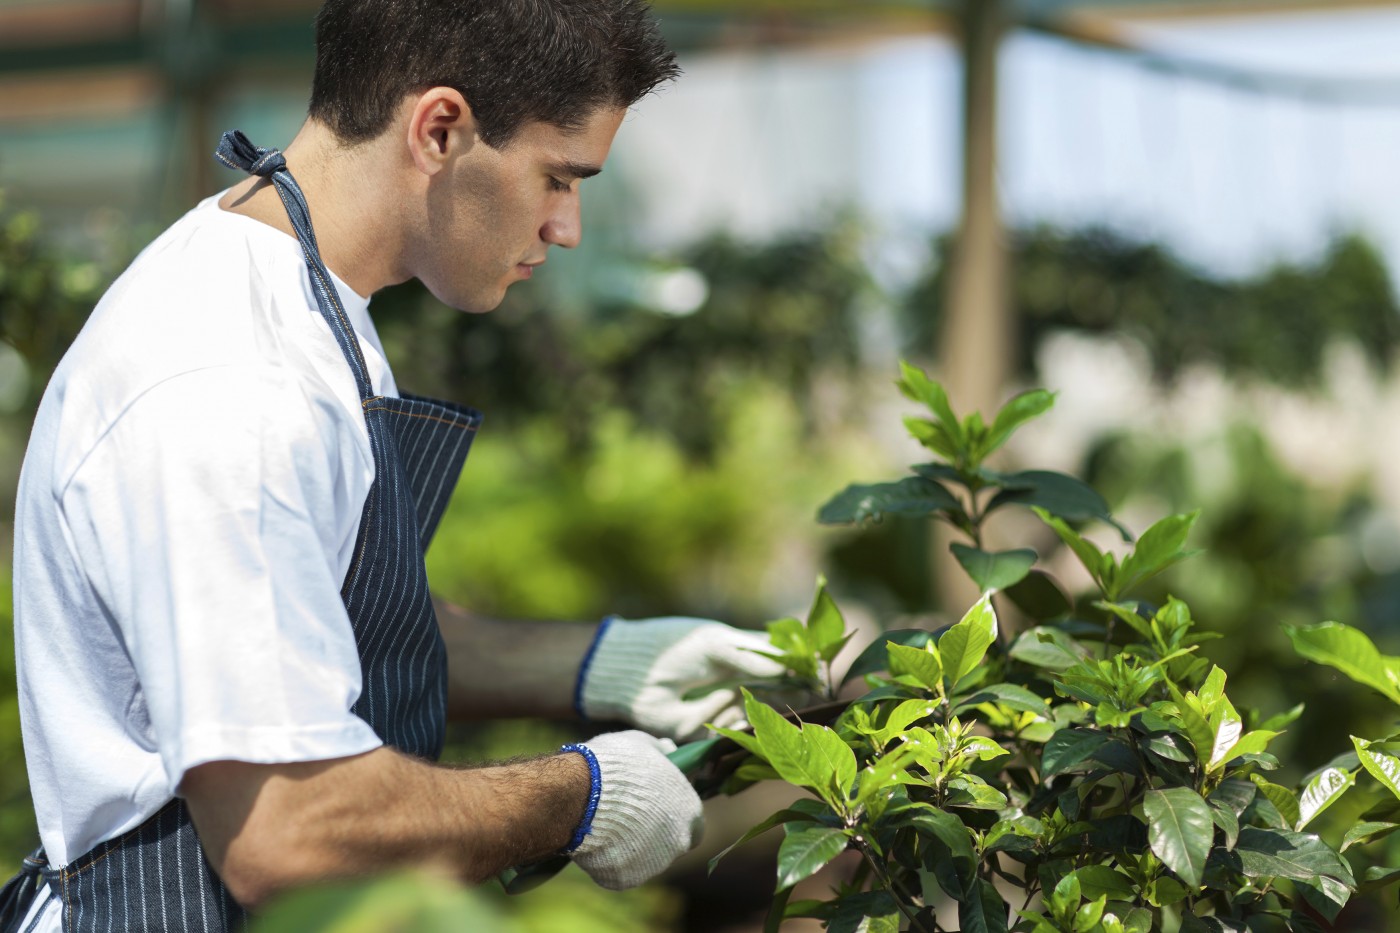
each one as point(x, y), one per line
point(564, 227)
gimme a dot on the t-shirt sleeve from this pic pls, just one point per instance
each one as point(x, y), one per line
point(210, 518)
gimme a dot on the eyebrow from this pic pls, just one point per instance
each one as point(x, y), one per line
point(575, 169)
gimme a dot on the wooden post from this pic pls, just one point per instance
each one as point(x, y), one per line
point(975, 345)
point(976, 340)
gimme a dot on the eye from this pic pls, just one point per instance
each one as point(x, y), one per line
point(557, 185)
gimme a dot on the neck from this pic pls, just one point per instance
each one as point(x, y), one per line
point(354, 206)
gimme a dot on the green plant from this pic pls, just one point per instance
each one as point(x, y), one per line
point(1350, 651)
point(1089, 774)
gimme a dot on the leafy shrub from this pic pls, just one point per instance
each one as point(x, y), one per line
point(1088, 774)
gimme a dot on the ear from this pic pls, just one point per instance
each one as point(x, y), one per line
point(440, 125)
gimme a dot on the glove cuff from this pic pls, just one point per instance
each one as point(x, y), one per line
point(595, 792)
point(586, 663)
point(647, 813)
point(622, 657)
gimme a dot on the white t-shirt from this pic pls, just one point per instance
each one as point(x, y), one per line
point(186, 516)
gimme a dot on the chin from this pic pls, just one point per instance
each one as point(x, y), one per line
point(470, 302)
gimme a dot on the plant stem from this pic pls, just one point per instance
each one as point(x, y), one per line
point(902, 899)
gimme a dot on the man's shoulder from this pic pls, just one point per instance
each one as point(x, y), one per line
point(210, 271)
point(213, 314)
point(215, 290)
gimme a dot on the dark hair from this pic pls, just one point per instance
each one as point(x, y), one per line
point(515, 61)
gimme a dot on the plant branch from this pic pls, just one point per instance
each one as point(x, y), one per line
point(902, 898)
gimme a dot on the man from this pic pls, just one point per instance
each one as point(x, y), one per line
point(233, 679)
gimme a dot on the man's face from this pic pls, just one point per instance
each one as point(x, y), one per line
point(495, 212)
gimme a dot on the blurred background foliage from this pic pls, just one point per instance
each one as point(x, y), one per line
point(1274, 326)
point(643, 461)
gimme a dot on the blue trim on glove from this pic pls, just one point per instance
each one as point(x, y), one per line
point(587, 660)
point(585, 825)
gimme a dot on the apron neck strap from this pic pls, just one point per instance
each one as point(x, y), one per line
point(237, 152)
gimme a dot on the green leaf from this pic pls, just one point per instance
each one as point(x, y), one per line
point(1070, 747)
point(811, 756)
point(951, 856)
point(902, 717)
point(1046, 647)
point(1088, 916)
point(1363, 833)
point(918, 387)
point(1011, 696)
point(1273, 853)
point(935, 437)
point(1096, 881)
point(1198, 730)
point(1325, 789)
point(1379, 876)
point(876, 658)
point(744, 740)
point(1179, 830)
point(1062, 496)
point(912, 495)
point(973, 796)
point(1138, 920)
point(1157, 549)
point(1250, 744)
point(1170, 746)
point(1281, 721)
point(1166, 891)
point(994, 570)
point(1212, 691)
point(1089, 555)
point(831, 755)
point(806, 850)
point(1325, 895)
point(1384, 768)
point(1283, 799)
point(778, 741)
point(963, 646)
point(1128, 614)
point(790, 636)
point(880, 776)
point(1065, 898)
point(825, 626)
point(868, 912)
point(983, 911)
point(1349, 651)
point(923, 664)
point(1228, 822)
point(692, 755)
point(1013, 414)
point(794, 644)
point(777, 819)
point(1039, 596)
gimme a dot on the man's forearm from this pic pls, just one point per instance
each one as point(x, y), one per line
point(501, 669)
point(268, 828)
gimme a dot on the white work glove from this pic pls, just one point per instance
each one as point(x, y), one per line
point(643, 813)
point(638, 672)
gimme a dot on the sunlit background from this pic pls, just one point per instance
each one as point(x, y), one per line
point(1184, 217)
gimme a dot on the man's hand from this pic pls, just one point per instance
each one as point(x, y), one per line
point(646, 815)
point(641, 672)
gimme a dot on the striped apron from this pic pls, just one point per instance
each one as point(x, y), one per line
point(155, 878)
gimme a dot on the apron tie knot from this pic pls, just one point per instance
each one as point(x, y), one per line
point(236, 151)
